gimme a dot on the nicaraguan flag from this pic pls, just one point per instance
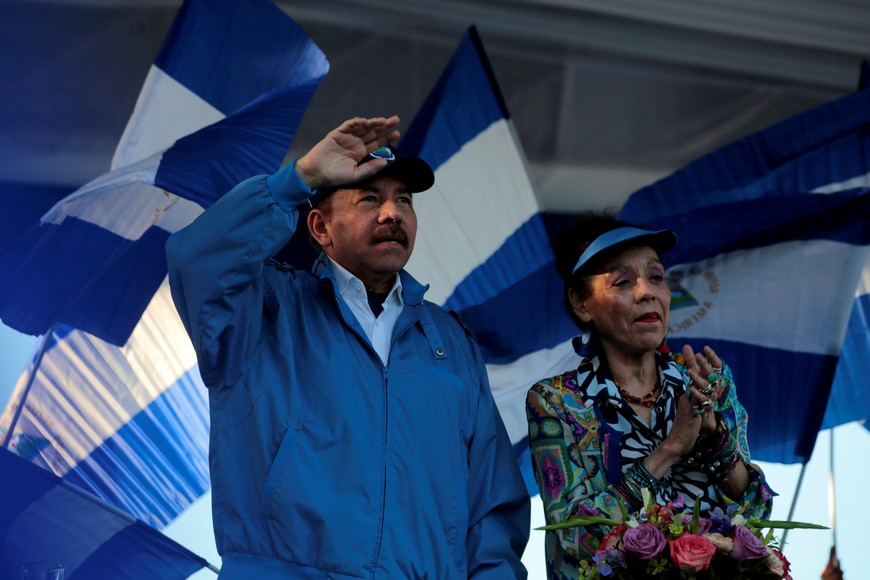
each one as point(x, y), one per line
point(481, 242)
point(221, 103)
point(774, 233)
point(114, 402)
point(44, 519)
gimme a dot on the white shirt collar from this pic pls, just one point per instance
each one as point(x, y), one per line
point(348, 284)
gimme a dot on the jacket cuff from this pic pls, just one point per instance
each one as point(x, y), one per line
point(287, 188)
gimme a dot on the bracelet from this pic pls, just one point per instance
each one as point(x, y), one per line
point(723, 462)
point(632, 497)
point(635, 479)
point(639, 475)
point(706, 449)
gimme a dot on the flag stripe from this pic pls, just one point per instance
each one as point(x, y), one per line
point(799, 155)
point(104, 295)
point(165, 111)
point(769, 400)
point(511, 382)
point(780, 278)
point(129, 424)
point(156, 465)
point(465, 101)
point(527, 314)
point(48, 520)
point(463, 194)
point(251, 46)
point(521, 255)
point(251, 141)
point(850, 397)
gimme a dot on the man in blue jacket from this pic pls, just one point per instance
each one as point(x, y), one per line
point(353, 432)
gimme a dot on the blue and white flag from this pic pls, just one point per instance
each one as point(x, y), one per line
point(220, 104)
point(114, 402)
point(481, 242)
point(774, 234)
point(44, 519)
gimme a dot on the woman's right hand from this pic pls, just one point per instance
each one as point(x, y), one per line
point(681, 440)
point(694, 416)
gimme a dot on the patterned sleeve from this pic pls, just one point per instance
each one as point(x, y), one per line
point(757, 500)
point(568, 466)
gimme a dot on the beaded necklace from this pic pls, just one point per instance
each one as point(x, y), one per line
point(647, 400)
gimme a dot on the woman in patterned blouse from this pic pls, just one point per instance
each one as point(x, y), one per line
point(632, 415)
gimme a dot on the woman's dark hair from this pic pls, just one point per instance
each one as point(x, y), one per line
point(570, 242)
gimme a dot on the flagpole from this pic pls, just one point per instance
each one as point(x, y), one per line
point(43, 346)
point(212, 567)
point(794, 499)
point(831, 494)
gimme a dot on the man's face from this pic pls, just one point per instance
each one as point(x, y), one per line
point(369, 230)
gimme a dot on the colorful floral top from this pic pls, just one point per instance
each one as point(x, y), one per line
point(584, 437)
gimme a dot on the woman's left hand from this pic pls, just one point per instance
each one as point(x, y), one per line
point(705, 372)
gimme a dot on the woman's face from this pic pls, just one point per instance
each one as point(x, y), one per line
point(629, 301)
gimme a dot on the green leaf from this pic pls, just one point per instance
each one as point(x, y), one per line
point(581, 521)
point(647, 499)
point(783, 525)
point(696, 516)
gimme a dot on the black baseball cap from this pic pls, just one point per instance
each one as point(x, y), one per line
point(412, 171)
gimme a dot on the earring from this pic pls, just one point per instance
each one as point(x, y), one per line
point(584, 344)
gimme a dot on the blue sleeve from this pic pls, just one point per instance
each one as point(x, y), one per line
point(216, 265)
point(499, 506)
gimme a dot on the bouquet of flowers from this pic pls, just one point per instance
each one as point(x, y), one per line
point(673, 541)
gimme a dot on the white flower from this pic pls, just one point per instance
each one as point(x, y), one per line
point(723, 544)
point(773, 562)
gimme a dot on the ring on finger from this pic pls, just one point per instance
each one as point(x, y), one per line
point(709, 390)
point(701, 409)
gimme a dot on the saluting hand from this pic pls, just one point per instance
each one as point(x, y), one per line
point(334, 159)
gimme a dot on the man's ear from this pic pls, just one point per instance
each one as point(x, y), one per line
point(318, 229)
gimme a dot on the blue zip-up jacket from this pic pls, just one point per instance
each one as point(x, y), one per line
point(324, 462)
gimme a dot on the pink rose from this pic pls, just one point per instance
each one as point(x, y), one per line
point(644, 541)
point(692, 553)
point(746, 546)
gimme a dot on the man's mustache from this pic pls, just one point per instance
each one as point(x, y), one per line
point(390, 233)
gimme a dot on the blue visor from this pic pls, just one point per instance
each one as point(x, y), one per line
point(661, 241)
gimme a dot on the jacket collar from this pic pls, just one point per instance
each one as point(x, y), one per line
point(412, 291)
